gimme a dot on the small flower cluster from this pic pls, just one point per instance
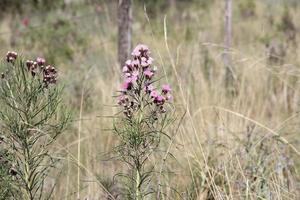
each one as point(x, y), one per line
point(138, 85)
point(11, 56)
point(37, 66)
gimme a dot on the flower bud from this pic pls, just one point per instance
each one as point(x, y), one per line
point(29, 64)
point(11, 56)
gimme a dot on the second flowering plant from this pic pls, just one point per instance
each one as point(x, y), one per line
point(142, 119)
point(31, 118)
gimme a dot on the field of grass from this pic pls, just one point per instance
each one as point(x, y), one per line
point(223, 145)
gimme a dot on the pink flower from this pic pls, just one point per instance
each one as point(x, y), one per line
point(153, 94)
point(148, 74)
point(125, 69)
point(130, 80)
point(144, 62)
point(150, 61)
point(128, 62)
point(134, 78)
point(149, 88)
point(136, 53)
point(127, 85)
point(127, 75)
point(141, 47)
point(135, 63)
point(166, 89)
point(140, 50)
point(25, 21)
point(159, 100)
point(169, 97)
point(40, 61)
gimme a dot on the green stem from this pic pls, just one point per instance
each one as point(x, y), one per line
point(27, 173)
point(137, 185)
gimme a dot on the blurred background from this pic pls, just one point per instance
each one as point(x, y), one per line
point(235, 77)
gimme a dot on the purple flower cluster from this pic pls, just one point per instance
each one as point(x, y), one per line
point(138, 84)
point(36, 67)
point(49, 73)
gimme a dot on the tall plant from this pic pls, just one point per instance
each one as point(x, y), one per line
point(141, 122)
point(31, 119)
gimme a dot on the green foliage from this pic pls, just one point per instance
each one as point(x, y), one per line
point(31, 118)
point(6, 190)
point(156, 7)
point(17, 6)
point(247, 8)
point(63, 31)
point(287, 26)
point(139, 138)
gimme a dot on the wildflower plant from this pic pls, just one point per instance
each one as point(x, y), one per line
point(142, 121)
point(31, 119)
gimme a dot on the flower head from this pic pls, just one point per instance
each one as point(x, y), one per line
point(169, 97)
point(148, 74)
point(146, 61)
point(166, 89)
point(136, 53)
point(159, 100)
point(135, 63)
point(127, 75)
point(49, 75)
point(11, 56)
point(154, 94)
point(29, 64)
point(40, 61)
point(140, 50)
point(150, 61)
point(25, 21)
point(125, 69)
point(127, 85)
point(128, 64)
point(149, 88)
